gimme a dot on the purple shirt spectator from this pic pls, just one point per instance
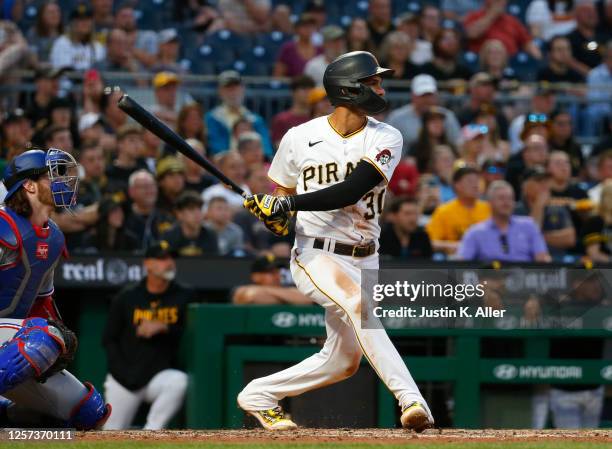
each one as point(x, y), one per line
point(520, 243)
point(293, 61)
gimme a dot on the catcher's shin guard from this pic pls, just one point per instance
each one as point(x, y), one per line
point(31, 351)
point(91, 412)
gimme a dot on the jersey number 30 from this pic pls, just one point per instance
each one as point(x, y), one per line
point(370, 198)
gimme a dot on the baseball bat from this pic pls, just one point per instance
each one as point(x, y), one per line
point(157, 127)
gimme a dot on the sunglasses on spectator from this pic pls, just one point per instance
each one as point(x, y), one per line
point(481, 129)
point(537, 118)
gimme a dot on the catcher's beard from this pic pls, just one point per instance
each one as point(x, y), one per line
point(44, 195)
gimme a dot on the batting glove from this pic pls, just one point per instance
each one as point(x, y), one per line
point(266, 207)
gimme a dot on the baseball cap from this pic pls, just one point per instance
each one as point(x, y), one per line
point(14, 116)
point(89, 120)
point(536, 172)
point(91, 75)
point(167, 35)
point(480, 78)
point(473, 130)
point(59, 103)
point(315, 95)
point(464, 171)
point(265, 264)
point(169, 164)
point(160, 250)
point(162, 79)
point(331, 33)
point(406, 17)
point(82, 11)
point(423, 84)
point(305, 18)
point(229, 77)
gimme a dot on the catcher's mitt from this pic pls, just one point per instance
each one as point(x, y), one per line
point(65, 358)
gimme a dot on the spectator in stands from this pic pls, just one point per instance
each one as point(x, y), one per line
point(482, 92)
point(190, 122)
point(241, 125)
point(561, 138)
point(402, 237)
point(102, 12)
point(245, 16)
point(93, 92)
point(547, 19)
point(492, 171)
point(534, 154)
point(151, 149)
point(358, 36)
point(430, 20)
point(56, 136)
point(266, 288)
point(450, 220)
point(142, 44)
point(503, 237)
point(13, 48)
point(115, 118)
point(473, 148)
point(92, 185)
point(147, 319)
point(597, 231)
point(230, 238)
point(143, 220)
point(168, 52)
point(404, 181)
point(334, 45)
point(496, 148)
point(554, 221)
point(196, 178)
point(188, 236)
point(432, 133)
point(118, 57)
point(16, 134)
point(91, 129)
point(395, 53)
point(604, 169)
point(249, 147)
point(542, 105)
point(442, 166)
point(428, 197)
point(599, 94)
point(585, 39)
point(232, 164)
point(170, 176)
point(165, 85)
point(409, 24)
point(77, 50)
point(407, 119)
point(560, 58)
point(48, 27)
point(493, 22)
point(46, 82)
point(298, 113)
point(129, 158)
point(457, 9)
point(380, 20)
point(566, 192)
point(319, 103)
point(493, 60)
point(445, 65)
point(220, 120)
point(294, 54)
point(109, 234)
point(605, 19)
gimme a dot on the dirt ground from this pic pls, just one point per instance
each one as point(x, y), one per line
point(351, 435)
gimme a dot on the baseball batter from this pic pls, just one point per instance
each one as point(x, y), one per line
point(35, 344)
point(333, 172)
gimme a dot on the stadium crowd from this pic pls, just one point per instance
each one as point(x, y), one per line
point(536, 183)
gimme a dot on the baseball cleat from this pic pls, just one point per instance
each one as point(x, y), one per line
point(415, 417)
point(273, 419)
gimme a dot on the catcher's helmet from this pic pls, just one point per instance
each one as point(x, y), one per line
point(342, 81)
point(27, 165)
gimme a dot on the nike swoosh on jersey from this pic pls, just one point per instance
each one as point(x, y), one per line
point(312, 144)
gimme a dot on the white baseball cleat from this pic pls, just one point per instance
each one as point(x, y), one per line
point(273, 419)
point(415, 417)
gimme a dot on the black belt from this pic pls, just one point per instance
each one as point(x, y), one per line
point(343, 249)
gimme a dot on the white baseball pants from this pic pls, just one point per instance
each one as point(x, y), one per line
point(334, 282)
point(165, 392)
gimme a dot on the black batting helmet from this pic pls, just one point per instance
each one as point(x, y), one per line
point(342, 81)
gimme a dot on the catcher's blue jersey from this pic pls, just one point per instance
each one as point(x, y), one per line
point(28, 256)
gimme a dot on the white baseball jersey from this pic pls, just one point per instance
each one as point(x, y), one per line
point(314, 156)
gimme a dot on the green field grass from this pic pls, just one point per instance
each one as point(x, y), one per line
point(291, 445)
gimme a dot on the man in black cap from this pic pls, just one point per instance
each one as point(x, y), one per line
point(266, 286)
point(143, 331)
point(46, 80)
point(77, 49)
point(16, 133)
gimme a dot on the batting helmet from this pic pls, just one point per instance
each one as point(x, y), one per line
point(342, 81)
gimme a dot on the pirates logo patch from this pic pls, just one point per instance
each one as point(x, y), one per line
point(384, 157)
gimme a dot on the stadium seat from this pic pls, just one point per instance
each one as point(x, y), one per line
point(272, 42)
point(257, 61)
point(402, 6)
point(518, 8)
point(203, 59)
point(525, 66)
point(354, 9)
point(470, 59)
point(155, 14)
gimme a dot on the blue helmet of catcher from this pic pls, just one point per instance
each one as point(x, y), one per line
point(60, 166)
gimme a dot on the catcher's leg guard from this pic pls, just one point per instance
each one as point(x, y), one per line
point(31, 351)
point(91, 412)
